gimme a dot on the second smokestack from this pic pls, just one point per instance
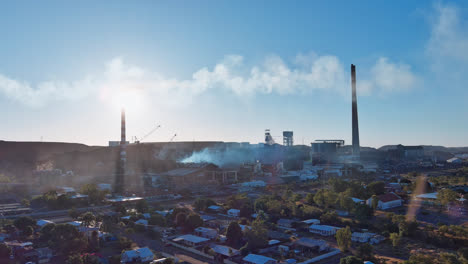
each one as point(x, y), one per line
point(356, 148)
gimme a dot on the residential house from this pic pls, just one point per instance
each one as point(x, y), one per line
point(233, 212)
point(387, 201)
point(258, 259)
point(137, 255)
point(191, 240)
point(206, 232)
point(324, 230)
point(307, 245)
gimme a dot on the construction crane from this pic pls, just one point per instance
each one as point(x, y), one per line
point(173, 138)
point(147, 135)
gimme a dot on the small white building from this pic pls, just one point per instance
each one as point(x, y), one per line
point(225, 251)
point(357, 200)
point(233, 212)
point(288, 223)
point(143, 222)
point(42, 222)
point(323, 230)
point(258, 259)
point(206, 232)
point(387, 201)
point(312, 221)
point(137, 255)
point(215, 208)
point(367, 237)
point(191, 240)
point(455, 161)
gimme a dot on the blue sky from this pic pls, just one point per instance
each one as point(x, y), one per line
point(221, 70)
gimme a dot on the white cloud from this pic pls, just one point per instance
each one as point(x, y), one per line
point(449, 35)
point(389, 77)
point(121, 82)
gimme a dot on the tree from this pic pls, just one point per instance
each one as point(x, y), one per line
point(95, 195)
point(25, 202)
point(5, 251)
point(395, 238)
point(376, 188)
point(463, 253)
point(201, 204)
point(363, 212)
point(180, 219)
point(374, 202)
point(142, 206)
point(47, 231)
point(158, 220)
point(75, 259)
point(67, 239)
point(343, 238)
point(193, 221)
point(233, 234)
point(346, 203)
point(350, 260)
point(257, 236)
point(448, 258)
point(23, 222)
point(87, 218)
point(419, 259)
point(246, 210)
point(28, 231)
point(365, 251)
point(446, 196)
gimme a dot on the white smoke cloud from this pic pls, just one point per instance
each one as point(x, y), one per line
point(447, 48)
point(120, 81)
point(389, 77)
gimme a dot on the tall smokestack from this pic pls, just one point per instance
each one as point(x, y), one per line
point(356, 150)
point(122, 130)
point(120, 170)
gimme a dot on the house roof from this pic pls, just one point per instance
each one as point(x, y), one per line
point(224, 250)
point(388, 197)
point(257, 259)
point(309, 242)
point(75, 223)
point(311, 221)
point(324, 227)
point(191, 238)
point(427, 195)
point(43, 222)
point(234, 211)
point(204, 229)
point(141, 222)
point(214, 207)
point(144, 252)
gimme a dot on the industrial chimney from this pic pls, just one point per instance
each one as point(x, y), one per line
point(356, 149)
point(120, 170)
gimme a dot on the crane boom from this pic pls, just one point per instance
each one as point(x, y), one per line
point(147, 135)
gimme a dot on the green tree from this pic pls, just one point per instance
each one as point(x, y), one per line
point(446, 196)
point(25, 202)
point(28, 231)
point(158, 220)
point(257, 236)
point(419, 259)
point(5, 251)
point(449, 258)
point(396, 239)
point(66, 239)
point(374, 202)
point(233, 234)
point(343, 238)
point(363, 212)
point(23, 222)
point(193, 221)
point(365, 251)
point(75, 259)
point(376, 188)
point(87, 218)
point(180, 219)
point(346, 203)
point(350, 260)
point(95, 196)
point(142, 206)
